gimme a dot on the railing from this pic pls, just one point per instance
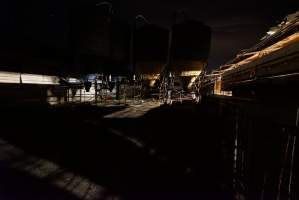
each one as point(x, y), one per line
point(265, 151)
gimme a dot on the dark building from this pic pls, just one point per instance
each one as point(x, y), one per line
point(101, 40)
point(190, 45)
point(35, 36)
point(150, 49)
point(61, 37)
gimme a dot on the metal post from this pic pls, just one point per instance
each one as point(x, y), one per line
point(125, 91)
point(134, 90)
point(96, 90)
point(291, 168)
point(235, 169)
point(80, 95)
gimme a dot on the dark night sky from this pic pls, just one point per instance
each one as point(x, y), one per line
point(236, 24)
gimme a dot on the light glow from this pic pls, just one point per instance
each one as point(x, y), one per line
point(151, 76)
point(191, 73)
point(73, 80)
point(271, 32)
point(39, 79)
point(9, 77)
point(18, 78)
point(292, 39)
point(192, 82)
point(152, 82)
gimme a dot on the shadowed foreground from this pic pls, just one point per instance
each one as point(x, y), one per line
point(166, 153)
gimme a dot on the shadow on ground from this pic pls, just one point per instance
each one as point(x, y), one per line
point(171, 152)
